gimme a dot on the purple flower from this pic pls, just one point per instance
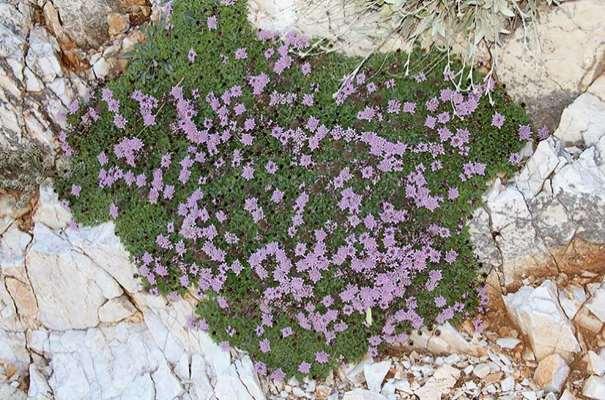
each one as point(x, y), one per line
point(321, 357)
point(394, 106)
point(102, 158)
point(277, 196)
point(452, 193)
point(113, 211)
point(119, 121)
point(514, 159)
point(241, 54)
point(305, 69)
point(498, 120)
point(212, 23)
point(271, 167)
point(287, 331)
point(278, 375)
point(440, 301)
point(191, 55)
point(304, 367)
point(260, 368)
point(409, 107)
point(524, 132)
point(75, 190)
point(264, 345)
point(248, 172)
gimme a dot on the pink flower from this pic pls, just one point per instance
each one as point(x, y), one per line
point(271, 167)
point(409, 107)
point(498, 120)
point(277, 196)
point(113, 211)
point(305, 69)
point(304, 367)
point(191, 56)
point(321, 357)
point(102, 158)
point(265, 346)
point(241, 54)
point(75, 190)
point(212, 23)
point(248, 172)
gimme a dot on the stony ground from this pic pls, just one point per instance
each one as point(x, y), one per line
point(75, 324)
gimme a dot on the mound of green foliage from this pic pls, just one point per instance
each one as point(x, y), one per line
point(316, 212)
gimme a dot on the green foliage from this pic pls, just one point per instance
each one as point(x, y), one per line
point(162, 63)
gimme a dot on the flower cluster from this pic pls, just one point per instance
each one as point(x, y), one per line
point(326, 216)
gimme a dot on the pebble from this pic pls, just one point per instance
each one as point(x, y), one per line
point(481, 370)
point(594, 388)
point(596, 362)
point(530, 395)
point(508, 384)
point(374, 374)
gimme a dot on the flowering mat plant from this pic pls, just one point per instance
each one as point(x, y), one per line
point(318, 213)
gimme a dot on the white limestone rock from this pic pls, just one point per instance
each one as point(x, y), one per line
point(374, 374)
point(539, 167)
point(69, 286)
point(12, 392)
point(571, 299)
point(101, 245)
point(583, 121)
point(596, 362)
point(42, 55)
point(508, 343)
point(551, 373)
point(38, 385)
point(362, 394)
point(13, 351)
point(439, 384)
point(596, 303)
point(521, 247)
point(49, 210)
point(538, 314)
point(13, 243)
point(116, 309)
point(594, 388)
point(353, 31)
point(554, 69)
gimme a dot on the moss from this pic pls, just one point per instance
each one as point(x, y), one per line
point(162, 63)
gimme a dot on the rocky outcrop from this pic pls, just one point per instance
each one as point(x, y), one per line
point(348, 27)
point(550, 217)
point(82, 328)
point(548, 64)
point(538, 314)
point(52, 53)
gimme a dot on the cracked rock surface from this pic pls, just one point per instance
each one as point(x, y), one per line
point(550, 217)
point(549, 69)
